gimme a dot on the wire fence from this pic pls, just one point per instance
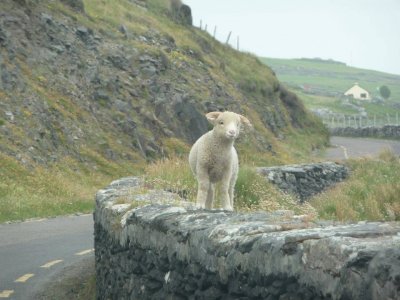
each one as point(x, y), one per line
point(359, 121)
point(214, 35)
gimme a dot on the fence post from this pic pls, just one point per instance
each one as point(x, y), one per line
point(237, 43)
point(229, 36)
point(201, 24)
point(215, 31)
point(205, 28)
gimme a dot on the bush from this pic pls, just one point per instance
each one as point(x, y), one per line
point(385, 92)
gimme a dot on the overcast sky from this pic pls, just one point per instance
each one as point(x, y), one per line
point(361, 33)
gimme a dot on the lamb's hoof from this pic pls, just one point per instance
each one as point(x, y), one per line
point(228, 208)
point(200, 206)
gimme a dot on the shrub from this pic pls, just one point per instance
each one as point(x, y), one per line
point(385, 92)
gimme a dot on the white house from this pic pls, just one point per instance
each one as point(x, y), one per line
point(358, 92)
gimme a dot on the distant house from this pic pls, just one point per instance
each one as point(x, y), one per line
point(358, 92)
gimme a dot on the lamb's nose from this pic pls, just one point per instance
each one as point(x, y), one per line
point(232, 132)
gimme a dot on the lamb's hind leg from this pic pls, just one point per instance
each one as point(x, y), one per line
point(210, 196)
point(232, 184)
point(231, 192)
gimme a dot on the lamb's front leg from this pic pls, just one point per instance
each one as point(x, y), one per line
point(203, 187)
point(210, 196)
point(225, 199)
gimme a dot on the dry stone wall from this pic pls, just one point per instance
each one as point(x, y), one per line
point(305, 180)
point(387, 132)
point(156, 247)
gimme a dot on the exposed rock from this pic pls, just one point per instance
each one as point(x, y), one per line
point(182, 13)
point(305, 180)
point(75, 4)
point(185, 14)
point(194, 124)
point(122, 28)
point(164, 251)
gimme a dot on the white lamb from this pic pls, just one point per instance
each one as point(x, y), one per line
point(214, 159)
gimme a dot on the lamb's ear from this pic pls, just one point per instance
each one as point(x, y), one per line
point(246, 121)
point(213, 116)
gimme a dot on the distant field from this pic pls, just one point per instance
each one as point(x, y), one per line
point(332, 76)
point(322, 83)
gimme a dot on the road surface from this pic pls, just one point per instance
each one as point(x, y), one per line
point(32, 252)
point(345, 147)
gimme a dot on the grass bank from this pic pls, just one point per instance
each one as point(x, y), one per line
point(371, 193)
point(63, 188)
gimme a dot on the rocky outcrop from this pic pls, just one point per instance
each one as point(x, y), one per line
point(305, 180)
point(388, 132)
point(155, 247)
point(182, 13)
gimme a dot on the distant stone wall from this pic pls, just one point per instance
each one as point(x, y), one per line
point(305, 180)
point(388, 132)
point(159, 248)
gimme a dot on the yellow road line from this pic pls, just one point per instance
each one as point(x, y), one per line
point(85, 252)
point(24, 278)
point(51, 263)
point(6, 293)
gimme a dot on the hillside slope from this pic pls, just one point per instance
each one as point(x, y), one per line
point(95, 89)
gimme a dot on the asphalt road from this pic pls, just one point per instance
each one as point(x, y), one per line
point(32, 252)
point(344, 147)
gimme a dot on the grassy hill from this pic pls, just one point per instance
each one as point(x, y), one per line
point(322, 83)
point(91, 91)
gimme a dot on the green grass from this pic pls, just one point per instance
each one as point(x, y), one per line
point(371, 193)
point(88, 291)
point(64, 188)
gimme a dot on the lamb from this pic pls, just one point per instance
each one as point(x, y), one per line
point(214, 159)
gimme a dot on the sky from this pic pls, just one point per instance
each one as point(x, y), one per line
point(360, 33)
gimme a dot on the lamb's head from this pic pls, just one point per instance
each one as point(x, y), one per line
point(227, 124)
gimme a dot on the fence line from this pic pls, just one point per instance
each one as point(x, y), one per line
point(358, 121)
point(215, 34)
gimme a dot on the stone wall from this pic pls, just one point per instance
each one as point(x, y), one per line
point(305, 180)
point(388, 132)
point(155, 247)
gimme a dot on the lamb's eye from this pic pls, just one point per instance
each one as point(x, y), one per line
point(221, 122)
